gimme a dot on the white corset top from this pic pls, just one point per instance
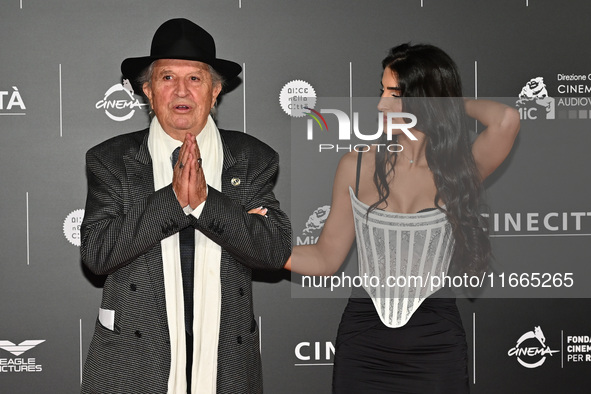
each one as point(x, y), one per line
point(399, 254)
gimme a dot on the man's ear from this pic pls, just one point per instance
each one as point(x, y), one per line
point(147, 88)
point(215, 93)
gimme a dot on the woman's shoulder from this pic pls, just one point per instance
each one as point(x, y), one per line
point(351, 158)
point(349, 166)
point(348, 160)
point(345, 174)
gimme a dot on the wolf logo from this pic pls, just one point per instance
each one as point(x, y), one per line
point(534, 89)
point(317, 219)
point(535, 93)
point(127, 86)
point(540, 335)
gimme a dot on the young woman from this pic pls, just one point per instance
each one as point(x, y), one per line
point(413, 213)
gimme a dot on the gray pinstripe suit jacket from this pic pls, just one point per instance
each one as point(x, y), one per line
point(124, 222)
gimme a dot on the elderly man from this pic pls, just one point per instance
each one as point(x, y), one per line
point(170, 228)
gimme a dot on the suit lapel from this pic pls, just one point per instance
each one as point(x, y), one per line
point(233, 169)
point(138, 164)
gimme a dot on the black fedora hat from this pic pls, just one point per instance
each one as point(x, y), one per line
point(180, 39)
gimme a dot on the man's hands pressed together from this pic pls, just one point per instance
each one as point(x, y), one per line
point(188, 180)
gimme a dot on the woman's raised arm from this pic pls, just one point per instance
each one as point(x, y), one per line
point(493, 145)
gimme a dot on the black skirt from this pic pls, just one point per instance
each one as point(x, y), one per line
point(428, 355)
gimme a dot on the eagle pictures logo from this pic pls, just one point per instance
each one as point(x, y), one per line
point(19, 364)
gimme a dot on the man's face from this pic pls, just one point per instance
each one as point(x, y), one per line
point(181, 94)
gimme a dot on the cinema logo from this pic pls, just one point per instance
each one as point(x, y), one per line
point(531, 349)
point(19, 364)
point(11, 102)
point(314, 353)
point(393, 120)
point(314, 226)
point(578, 349)
point(119, 102)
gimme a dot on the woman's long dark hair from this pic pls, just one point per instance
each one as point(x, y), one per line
point(431, 90)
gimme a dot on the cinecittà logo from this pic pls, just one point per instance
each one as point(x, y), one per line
point(11, 102)
point(314, 353)
point(531, 349)
point(119, 102)
point(508, 224)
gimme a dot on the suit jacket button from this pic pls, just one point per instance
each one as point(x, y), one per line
point(235, 181)
point(239, 340)
point(132, 287)
point(138, 333)
point(241, 291)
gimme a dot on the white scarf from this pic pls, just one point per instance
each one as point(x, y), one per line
point(207, 287)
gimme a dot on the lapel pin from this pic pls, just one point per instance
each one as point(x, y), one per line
point(235, 181)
